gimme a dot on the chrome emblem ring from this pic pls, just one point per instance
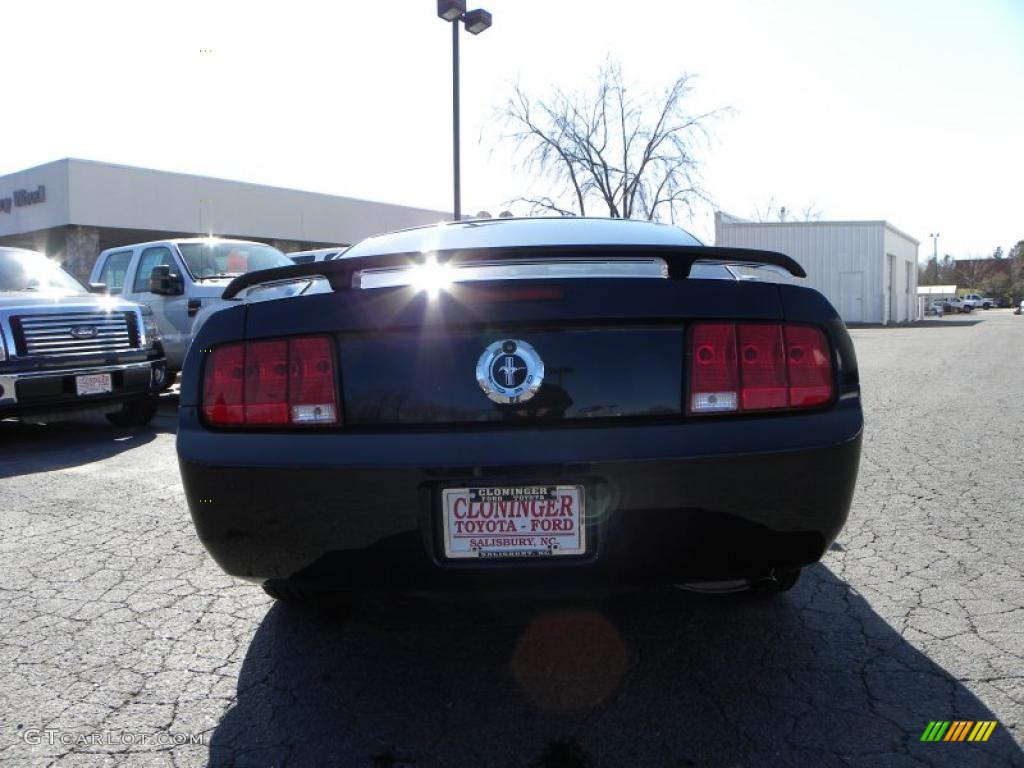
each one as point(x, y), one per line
point(510, 371)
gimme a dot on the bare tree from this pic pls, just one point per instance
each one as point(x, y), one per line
point(947, 271)
point(772, 211)
point(610, 150)
point(810, 212)
point(971, 272)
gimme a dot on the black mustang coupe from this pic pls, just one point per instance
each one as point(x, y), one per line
point(536, 404)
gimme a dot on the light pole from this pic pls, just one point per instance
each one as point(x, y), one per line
point(935, 246)
point(477, 21)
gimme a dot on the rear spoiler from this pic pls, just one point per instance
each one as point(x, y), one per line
point(339, 272)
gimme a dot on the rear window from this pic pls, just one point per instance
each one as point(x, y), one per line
point(215, 258)
point(711, 272)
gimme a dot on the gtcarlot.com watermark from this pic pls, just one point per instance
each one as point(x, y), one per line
point(52, 736)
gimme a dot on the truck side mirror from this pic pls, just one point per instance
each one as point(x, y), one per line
point(165, 282)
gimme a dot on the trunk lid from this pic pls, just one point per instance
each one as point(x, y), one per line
point(611, 349)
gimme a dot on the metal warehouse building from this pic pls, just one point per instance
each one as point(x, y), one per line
point(72, 209)
point(867, 269)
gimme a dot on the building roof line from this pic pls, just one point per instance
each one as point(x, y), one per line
point(83, 161)
point(729, 220)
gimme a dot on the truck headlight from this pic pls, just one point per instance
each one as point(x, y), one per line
point(149, 327)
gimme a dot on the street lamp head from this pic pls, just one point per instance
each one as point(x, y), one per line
point(451, 10)
point(477, 21)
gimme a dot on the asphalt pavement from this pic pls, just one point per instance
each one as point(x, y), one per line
point(122, 643)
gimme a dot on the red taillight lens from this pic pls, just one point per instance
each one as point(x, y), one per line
point(224, 385)
point(277, 382)
point(715, 380)
point(737, 367)
point(266, 382)
point(313, 393)
point(762, 367)
point(810, 367)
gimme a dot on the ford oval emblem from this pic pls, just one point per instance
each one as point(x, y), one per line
point(84, 332)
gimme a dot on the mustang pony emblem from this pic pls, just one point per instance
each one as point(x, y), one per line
point(510, 371)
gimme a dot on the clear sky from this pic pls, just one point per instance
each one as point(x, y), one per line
point(907, 110)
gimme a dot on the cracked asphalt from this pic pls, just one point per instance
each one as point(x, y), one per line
point(117, 631)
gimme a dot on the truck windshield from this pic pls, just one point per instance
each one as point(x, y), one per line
point(31, 271)
point(228, 259)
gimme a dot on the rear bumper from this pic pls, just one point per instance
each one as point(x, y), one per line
point(34, 392)
point(666, 503)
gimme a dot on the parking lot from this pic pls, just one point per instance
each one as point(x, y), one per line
point(119, 635)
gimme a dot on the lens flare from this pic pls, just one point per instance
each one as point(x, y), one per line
point(431, 276)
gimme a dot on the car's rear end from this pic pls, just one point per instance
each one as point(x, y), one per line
point(567, 415)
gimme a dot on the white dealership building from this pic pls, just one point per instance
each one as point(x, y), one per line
point(72, 209)
point(867, 269)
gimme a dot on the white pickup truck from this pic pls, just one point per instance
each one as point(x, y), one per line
point(977, 301)
point(180, 280)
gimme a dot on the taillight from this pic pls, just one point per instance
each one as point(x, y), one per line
point(715, 383)
point(224, 385)
point(312, 385)
point(266, 382)
point(810, 367)
point(747, 367)
point(274, 382)
point(762, 367)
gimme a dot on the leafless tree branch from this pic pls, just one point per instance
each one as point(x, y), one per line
point(630, 154)
point(544, 205)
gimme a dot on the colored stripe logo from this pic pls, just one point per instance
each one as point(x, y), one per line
point(958, 730)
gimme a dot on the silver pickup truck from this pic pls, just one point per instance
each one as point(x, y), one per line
point(65, 352)
point(181, 281)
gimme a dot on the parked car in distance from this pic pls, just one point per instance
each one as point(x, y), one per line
point(1019, 309)
point(977, 301)
point(936, 307)
point(522, 405)
point(320, 254)
point(66, 352)
point(957, 305)
point(181, 280)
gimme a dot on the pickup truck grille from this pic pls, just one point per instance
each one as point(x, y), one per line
point(75, 333)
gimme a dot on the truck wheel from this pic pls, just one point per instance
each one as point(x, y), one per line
point(169, 378)
point(135, 413)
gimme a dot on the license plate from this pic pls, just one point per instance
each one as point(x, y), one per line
point(514, 521)
point(93, 384)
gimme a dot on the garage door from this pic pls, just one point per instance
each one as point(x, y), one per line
point(851, 297)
